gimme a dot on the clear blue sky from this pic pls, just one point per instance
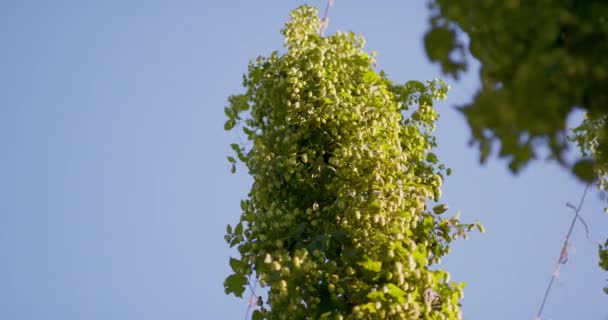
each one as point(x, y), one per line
point(115, 191)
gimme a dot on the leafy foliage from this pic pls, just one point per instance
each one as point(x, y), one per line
point(336, 224)
point(588, 136)
point(539, 61)
point(603, 251)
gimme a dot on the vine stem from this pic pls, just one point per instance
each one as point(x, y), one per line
point(325, 20)
point(252, 297)
point(563, 255)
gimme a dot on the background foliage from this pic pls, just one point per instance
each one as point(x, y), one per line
point(540, 60)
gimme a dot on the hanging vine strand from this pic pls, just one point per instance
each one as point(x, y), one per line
point(563, 255)
point(325, 20)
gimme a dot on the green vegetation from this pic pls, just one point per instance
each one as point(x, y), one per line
point(339, 222)
point(540, 60)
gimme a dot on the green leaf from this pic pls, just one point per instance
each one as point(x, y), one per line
point(440, 208)
point(370, 307)
point(239, 229)
point(480, 227)
point(235, 284)
point(236, 240)
point(235, 147)
point(228, 229)
point(420, 258)
point(371, 265)
point(229, 124)
point(340, 236)
point(231, 159)
point(376, 296)
point(256, 315)
point(371, 76)
point(603, 253)
point(233, 168)
point(396, 292)
point(439, 43)
point(584, 169)
point(236, 265)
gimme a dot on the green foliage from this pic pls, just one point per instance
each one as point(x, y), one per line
point(590, 136)
point(604, 256)
point(539, 61)
point(336, 224)
point(603, 251)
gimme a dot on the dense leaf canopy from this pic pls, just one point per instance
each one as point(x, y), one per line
point(540, 60)
point(339, 223)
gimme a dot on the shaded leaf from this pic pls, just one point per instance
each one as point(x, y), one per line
point(236, 265)
point(440, 208)
point(584, 169)
point(235, 284)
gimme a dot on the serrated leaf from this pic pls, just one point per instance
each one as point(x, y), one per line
point(235, 284)
point(236, 240)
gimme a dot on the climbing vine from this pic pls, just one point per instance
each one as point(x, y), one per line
point(589, 136)
point(343, 219)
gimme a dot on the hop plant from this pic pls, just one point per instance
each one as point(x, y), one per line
point(338, 223)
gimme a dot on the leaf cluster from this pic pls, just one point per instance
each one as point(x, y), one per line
point(603, 252)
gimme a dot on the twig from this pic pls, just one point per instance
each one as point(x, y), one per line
point(325, 20)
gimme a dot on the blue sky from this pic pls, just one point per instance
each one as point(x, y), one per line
point(115, 191)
